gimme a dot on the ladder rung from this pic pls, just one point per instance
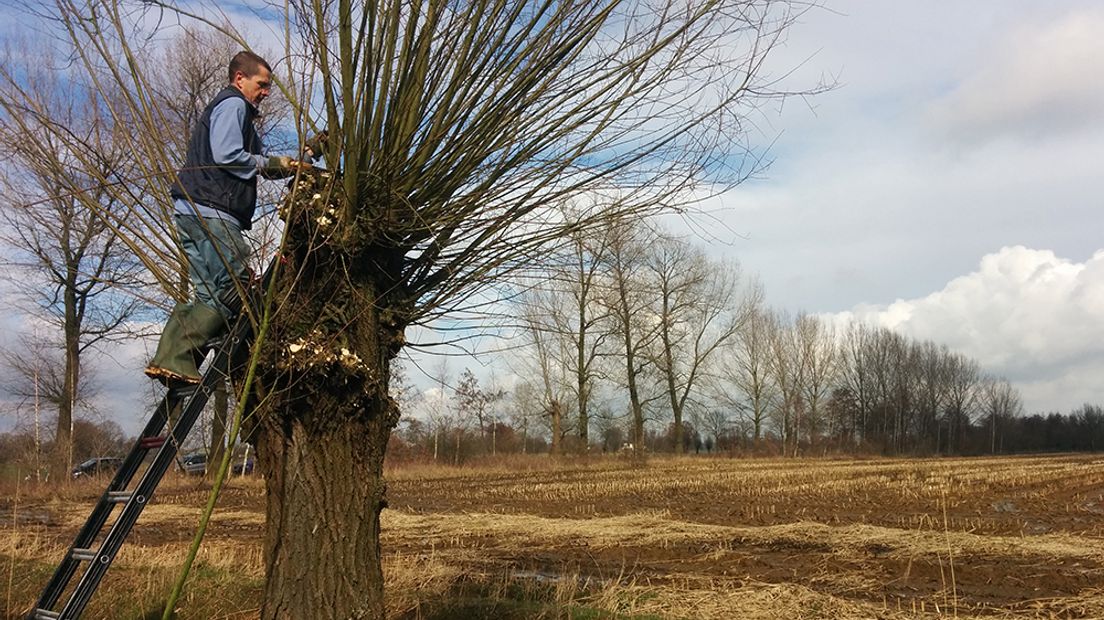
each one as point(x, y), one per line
point(190, 399)
point(86, 555)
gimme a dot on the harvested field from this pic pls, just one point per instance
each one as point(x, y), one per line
point(679, 538)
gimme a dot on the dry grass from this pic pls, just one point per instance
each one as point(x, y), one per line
point(682, 538)
point(657, 531)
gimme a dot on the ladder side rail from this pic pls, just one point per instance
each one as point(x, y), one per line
point(192, 409)
point(228, 354)
point(95, 522)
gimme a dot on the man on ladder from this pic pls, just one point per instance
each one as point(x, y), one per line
point(215, 198)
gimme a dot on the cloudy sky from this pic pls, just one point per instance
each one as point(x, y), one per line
point(949, 187)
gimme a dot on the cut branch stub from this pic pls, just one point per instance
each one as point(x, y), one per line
point(338, 322)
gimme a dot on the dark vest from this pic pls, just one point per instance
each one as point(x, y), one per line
point(205, 182)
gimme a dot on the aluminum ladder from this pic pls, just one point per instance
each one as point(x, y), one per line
point(94, 552)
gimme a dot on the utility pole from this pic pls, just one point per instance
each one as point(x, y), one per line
point(37, 421)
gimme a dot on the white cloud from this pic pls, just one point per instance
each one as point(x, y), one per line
point(1038, 80)
point(870, 200)
point(1026, 314)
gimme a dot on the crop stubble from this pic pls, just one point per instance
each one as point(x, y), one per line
point(692, 537)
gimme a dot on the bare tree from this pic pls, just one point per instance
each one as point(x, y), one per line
point(786, 364)
point(436, 404)
point(70, 267)
point(698, 309)
point(628, 300)
point(856, 376)
point(577, 328)
point(198, 57)
point(744, 382)
point(817, 343)
point(963, 378)
point(458, 129)
point(548, 350)
point(999, 402)
point(473, 401)
point(931, 391)
point(883, 351)
point(402, 390)
point(587, 325)
point(36, 377)
point(717, 424)
point(525, 412)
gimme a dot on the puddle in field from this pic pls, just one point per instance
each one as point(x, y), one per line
point(538, 576)
point(545, 576)
point(27, 518)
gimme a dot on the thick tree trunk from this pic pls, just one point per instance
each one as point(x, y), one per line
point(325, 418)
point(321, 447)
point(324, 496)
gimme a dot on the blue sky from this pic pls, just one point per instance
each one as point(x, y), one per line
point(949, 188)
point(919, 163)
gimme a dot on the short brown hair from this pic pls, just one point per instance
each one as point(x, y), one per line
point(248, 63)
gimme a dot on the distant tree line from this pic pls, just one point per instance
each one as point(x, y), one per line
point(634, 340)
point(21, 455)
point(637, 342)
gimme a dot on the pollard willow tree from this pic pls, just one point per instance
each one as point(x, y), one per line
point(459, 131)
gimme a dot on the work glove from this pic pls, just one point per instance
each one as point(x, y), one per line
point(279, 166)
point(316, 146)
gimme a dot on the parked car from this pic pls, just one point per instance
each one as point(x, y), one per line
point(239, 467)
point(97, 466)
point(194, 464)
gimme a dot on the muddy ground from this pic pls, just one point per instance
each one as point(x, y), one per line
point(706, 538)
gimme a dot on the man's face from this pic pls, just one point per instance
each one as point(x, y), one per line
point(254, 88)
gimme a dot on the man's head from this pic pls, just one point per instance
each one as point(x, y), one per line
point(250, 74)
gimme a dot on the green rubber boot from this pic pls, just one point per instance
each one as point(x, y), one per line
point(204, 324)
point(181, 346)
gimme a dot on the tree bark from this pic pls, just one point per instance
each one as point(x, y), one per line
point(324, 496)
point(556, 412)
point(324, 421)
point(582, 386)
point(63, 437)
point(669, 371)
